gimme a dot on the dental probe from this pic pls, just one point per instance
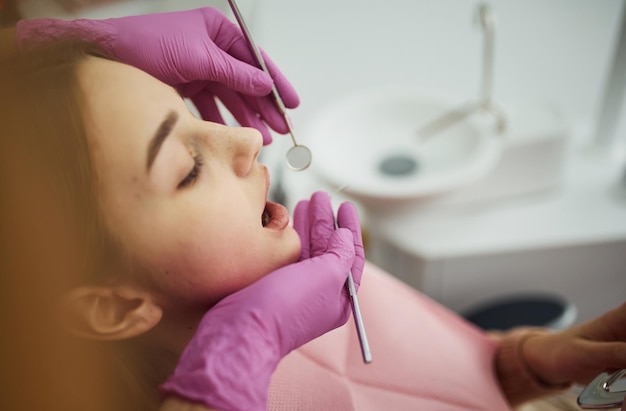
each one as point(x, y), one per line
point(358, 320)
point(356, 310)
point(299, 156)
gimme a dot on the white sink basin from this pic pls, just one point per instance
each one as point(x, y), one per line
point(368, 144)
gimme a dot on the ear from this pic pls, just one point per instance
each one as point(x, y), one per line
point(109, 313)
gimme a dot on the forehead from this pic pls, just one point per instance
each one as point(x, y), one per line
point(123, 105)
point(119, 91)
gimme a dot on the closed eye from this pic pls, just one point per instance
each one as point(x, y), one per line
point(194, 173)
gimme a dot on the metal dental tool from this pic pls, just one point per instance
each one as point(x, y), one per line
point(601, 393)
point(356, 310)
point(299, 156)
point(358, 320)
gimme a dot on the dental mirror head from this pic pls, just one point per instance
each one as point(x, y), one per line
point(604, 392)
point(298, 157)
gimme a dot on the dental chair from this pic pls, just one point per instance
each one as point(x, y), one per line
point(425, 357)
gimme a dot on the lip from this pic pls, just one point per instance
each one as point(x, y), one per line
point(279, 216)
point(278, 213)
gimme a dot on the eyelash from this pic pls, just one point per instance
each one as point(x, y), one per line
point(194, 173)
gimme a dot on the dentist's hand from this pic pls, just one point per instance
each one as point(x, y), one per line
point(240, 341)
point(200, 52)
point(579, 354)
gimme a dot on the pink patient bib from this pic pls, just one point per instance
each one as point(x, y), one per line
point(424, 358)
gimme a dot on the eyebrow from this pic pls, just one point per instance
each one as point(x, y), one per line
point(159, 137)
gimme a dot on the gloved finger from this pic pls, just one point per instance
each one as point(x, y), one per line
point(207, 107)
point(203, 98)
point(257, 112)
point(226, 58)
point(301, 225)
point(329, 272)
point(209, 59)
point(242, 112)
point(321, 222)
point(229, 38)
point(268, 110)
point(348, 217)
point(241, 76)
point(244, 109)
point(340, 245)
point(286, 90)
point(240, 49)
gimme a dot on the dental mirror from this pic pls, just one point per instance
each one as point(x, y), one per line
point(604, 392)
point(298, 157)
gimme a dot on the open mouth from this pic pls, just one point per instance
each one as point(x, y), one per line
point(274, 216)
point(266, 217)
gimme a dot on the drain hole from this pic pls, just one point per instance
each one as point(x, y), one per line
point(398, 165)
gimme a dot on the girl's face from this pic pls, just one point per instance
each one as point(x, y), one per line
point(186, 198)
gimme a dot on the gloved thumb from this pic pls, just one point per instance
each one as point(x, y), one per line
point(321, 289)
point(341, 245)
point(332, 265)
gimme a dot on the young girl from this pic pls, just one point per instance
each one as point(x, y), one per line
point(173, 213)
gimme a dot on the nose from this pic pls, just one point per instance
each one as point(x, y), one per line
point(241, 147)
point(234, 147)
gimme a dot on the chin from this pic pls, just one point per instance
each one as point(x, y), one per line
point(296, 249)
point(293, 256)
point(290, 258)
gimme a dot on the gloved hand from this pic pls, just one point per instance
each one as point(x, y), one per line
point(230, 360)
point(200, 52)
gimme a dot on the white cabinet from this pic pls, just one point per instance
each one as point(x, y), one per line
point(592, 276)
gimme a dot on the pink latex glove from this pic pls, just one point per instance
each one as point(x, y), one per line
point(200, 52)
point(230, 360)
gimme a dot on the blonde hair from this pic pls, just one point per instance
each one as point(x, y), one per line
point(52, 238)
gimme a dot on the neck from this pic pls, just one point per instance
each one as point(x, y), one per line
point(170, 337)
point(155, 354)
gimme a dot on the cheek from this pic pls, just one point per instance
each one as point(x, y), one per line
point(207, 266)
